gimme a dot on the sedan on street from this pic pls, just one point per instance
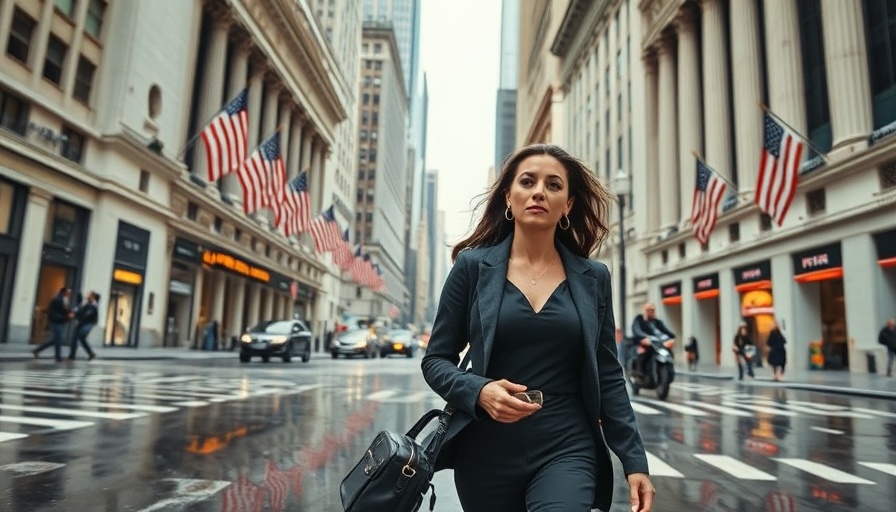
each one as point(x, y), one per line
point(354, 342)
point(278, 338)
point(398, 341)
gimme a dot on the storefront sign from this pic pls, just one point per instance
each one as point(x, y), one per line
point(671, 293)
point(757, 276)
point(126, 276)
point(187, 250)
point(818, 264)
point(234, 264)
point(131, 248)
point(707, 286)
point(886, 248)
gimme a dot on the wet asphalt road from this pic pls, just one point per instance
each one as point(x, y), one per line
point(220, 436)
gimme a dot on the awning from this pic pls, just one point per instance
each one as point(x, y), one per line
point(707, 294)
point(820, 275)
point(753, 286)
point(887, 263)
point(818, 264)
point(672, 300)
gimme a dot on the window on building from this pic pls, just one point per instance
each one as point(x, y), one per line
point(377, 48)
point(376, 99)
point(73, 145)
point(375, 118)
point(371, 174)
point(765, 222)
point(56, 49)
point(607, 163)
point(887, 174)
point(93, 25)
point(7, 194)
point(815, 201)
point(734, 232)
point(682, 250)
point(372, 155)
point(64, 225)
point(367, 233)
point(365, 99)
point(365, 47)
point(377, 82)
point(367, 81)
point(619, 145)
point(13, 113)
point(368, 64)
point(360, 198)
point(362, 154)
point(218, 224)
point(368, 217)
point(358, 216)
point(377, 64)
point(192, 211)
point(66, 7)
point(619, 64)
point(880, 29)
point(358, 292)
point(365, 117)
point(818, 114)
point(362, 134)
point(84, 80)
point(664, 256)
point(607, 81)
point(20, 34)
point(619, 107)
point(144, 181)
point(374, 135)
point(362, 174)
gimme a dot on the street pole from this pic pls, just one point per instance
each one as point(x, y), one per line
point(622, 279)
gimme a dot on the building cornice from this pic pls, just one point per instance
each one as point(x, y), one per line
point(656, 15)
point(577, 33)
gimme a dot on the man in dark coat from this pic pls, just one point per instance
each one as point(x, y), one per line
point(643, 328)
point(887, 338)
point(58, 314)
point(88, 316)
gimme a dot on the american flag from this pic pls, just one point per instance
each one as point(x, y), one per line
point(259, 174)
point(242, 496)
point(778, 170)
point(708, 194)
point(225, 138)
point(295, 211)
point(325, 232)
point(277, 483)
point(342, 256)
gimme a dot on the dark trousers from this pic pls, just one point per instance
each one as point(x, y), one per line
point(891, 355)
point(80, 336)
point(57, 332)
point(741, 361)
point(544, 463)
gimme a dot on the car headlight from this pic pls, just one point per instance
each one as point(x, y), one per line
point(361, 344)
point(245, 338)
point(278, 340)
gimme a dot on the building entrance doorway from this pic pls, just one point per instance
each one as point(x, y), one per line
point(833, 325)
point(51, 279)
point(120, 316)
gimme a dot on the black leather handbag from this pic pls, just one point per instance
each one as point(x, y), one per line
point(394, 474)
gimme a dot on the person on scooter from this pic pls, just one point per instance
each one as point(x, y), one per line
point(644, 327)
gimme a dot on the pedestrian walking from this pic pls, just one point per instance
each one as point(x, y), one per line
point(58, 314)
point(744, 350)
point(887, 338)
point(87, 318)
point(538, 316)
point(693, 353)
point(777, 355)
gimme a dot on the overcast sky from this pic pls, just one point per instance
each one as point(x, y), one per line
point(460, 53)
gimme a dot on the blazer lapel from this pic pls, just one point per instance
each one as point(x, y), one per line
point(583, 288)
point(490, 291)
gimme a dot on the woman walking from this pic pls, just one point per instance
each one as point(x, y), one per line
point(87, 317)
point(538, 316)
point(744, 350)
point(777, 355)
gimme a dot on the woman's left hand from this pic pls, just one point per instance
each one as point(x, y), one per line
point(642, 492)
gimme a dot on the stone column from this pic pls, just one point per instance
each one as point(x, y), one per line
point(256, 93)
point(317, 170)
point(38, 51)
point(239, 73)
point(195, 330)
point(268, 303)
point(212, 98)
point(71, 64)
point(217, 312)
point(271, 112)
point(236, 323)
point(254, 306)
point(747, 90)
point(285, 132)
point(668, 139)
point(715, 88)
point(690, 123)
point(307, 138)
point(652, 175)
point(849, 90)
point(5, 19)
point(295, 147)
point(784, 61)
point(21, 311)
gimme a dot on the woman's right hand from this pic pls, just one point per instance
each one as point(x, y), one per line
point(495, 399)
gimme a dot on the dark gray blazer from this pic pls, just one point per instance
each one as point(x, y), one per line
point(467, 313)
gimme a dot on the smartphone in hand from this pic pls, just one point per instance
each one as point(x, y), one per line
point(530, 397)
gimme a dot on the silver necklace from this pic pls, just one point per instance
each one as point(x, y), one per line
point(533, 281)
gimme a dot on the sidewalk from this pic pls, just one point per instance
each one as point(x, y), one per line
point(841, 382)
point(21, 351)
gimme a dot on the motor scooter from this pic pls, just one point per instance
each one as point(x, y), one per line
point(659, 370)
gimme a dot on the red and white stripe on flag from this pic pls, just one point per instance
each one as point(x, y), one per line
point(225, 138)
point(779, 169)
point(277, 483)
point(708, 193)
point(242, 496)
point(259, 173)
point(296, 206)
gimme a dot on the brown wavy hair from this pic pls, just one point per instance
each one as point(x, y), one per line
point(587, 218)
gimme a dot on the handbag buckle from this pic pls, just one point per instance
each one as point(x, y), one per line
point(371, 464)
point(408, 471)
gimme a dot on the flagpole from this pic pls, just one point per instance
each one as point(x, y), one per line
point(819, 152)
point(204, 126)
point(726, 180)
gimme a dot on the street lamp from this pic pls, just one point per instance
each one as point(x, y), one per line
point(622, 184)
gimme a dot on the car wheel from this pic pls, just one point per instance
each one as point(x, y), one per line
point(306, 355)
point(287, 356)
point(383, 354)
point(410, 354)
point(366, 355)
point(265, 358)
point(245, 358)
point(334, 354)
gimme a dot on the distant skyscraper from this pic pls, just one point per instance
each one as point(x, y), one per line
point(405, 18)
point(505, 105)
point(430, 209)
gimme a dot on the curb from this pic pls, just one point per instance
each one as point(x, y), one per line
point(699, 375)
point(820, 388)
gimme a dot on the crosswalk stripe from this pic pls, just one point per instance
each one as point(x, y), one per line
point(760, 408)
point(683, 409)
point(658, 467)
point(74, 412)
point(885, 414)
point(719, 408)
point(822, 471)
point(45, 422)
point(191, 403)
point(187, 492)
point(382, 394)
point(881, 466)
point(827, 430)
point(812, 410)
point(713, 392)
point(88, 403)
point(643, 409)
point(735, 467)
point(826, 407)
point(9, 436)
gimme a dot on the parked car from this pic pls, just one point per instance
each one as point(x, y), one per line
point(278, 338)
point(354, 342)
point(398, 341)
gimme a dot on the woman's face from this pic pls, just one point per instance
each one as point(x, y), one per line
point(539, 194)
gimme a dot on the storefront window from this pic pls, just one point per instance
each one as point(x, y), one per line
point(120, 314)
point(63, 227)
point(7, 192)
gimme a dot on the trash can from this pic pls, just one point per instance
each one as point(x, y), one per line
point(871, 360)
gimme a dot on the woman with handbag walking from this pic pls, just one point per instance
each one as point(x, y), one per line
point(744, 350)
point(545, 388)
point(777, 354)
